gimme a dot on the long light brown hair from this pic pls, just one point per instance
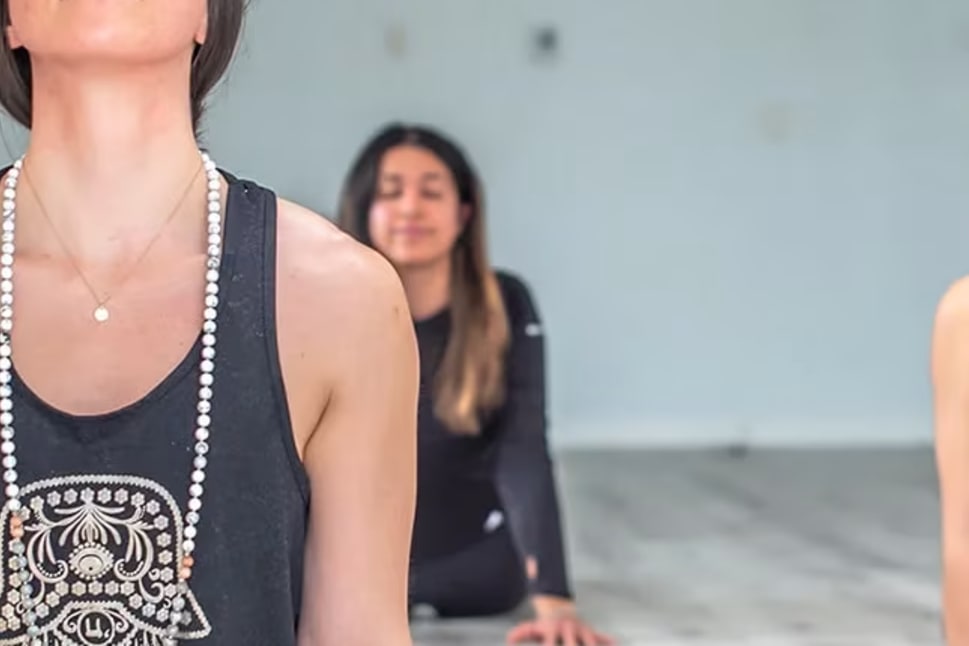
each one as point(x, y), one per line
point(471, 378)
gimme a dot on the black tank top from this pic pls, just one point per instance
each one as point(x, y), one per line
point(107, 493)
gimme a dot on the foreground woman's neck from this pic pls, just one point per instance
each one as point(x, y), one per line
point(110, 153)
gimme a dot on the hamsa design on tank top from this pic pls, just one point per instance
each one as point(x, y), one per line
point(103, 552)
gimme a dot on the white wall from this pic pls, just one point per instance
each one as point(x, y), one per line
point(737, 216)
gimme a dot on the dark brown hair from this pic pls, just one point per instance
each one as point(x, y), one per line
point(471, 378)
point(209, 62)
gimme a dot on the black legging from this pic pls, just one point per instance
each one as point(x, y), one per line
point(486, 578)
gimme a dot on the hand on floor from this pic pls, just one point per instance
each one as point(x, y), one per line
point(557, 622)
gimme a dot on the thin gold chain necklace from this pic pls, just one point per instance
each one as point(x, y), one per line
point(101, 313)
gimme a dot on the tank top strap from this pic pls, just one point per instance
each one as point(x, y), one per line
point(250, 327)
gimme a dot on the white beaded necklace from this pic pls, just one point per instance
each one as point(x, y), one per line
point(14, 506)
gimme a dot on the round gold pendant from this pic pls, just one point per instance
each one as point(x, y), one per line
point(101, 314)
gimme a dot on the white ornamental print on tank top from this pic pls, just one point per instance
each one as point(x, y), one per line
point(103, 553)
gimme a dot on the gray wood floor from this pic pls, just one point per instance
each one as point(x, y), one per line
point(768, 549)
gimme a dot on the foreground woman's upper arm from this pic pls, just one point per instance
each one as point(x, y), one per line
point(361, 463)
point(950, 378)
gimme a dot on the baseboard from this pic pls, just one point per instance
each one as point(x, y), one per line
point(779, 433)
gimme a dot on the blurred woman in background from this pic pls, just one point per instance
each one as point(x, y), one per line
point(487, 531)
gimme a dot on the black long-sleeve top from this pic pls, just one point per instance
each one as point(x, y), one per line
point(466, 484)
